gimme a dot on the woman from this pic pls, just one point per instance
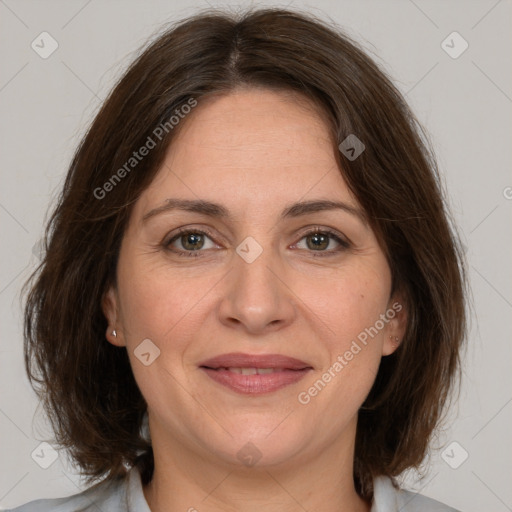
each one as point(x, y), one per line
point(252, 254)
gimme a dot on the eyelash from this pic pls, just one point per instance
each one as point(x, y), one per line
point(313, 231)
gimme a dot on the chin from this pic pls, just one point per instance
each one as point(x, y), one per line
point(260, 443)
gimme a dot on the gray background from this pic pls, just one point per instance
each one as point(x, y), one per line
point(465, 104)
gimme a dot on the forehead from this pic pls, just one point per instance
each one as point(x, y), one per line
point(246, 125)
point(252, 147)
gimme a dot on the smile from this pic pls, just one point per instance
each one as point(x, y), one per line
point(255, 381)
point(255, 374)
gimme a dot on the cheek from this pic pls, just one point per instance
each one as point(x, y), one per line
point(347, 312)
point(347, 302)
point(155, 302)
point(159, 306)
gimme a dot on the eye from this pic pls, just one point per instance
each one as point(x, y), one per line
point(319, 240)
point(190, 241)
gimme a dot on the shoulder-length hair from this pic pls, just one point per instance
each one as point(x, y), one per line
point(86, 383)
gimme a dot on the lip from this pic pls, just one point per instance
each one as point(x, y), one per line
point(240, 360)
point(287, 371)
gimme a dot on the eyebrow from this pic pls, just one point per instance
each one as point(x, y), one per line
point(218, 211)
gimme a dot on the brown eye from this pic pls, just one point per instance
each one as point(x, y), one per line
point(192, 241)
point(318, 241)
point(188, 242)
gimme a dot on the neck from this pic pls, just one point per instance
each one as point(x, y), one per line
point(186, 480)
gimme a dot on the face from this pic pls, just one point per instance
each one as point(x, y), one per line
point(300, 292)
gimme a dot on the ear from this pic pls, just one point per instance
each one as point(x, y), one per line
point(397, 323)
point(109, 306)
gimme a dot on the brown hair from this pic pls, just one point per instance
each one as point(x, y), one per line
point(86, 383)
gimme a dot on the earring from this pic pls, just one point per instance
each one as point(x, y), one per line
point(114, 333)
point(395, 341)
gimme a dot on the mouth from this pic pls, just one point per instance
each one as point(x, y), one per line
point(255, 374)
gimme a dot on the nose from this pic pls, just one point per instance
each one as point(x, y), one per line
point(257, 297)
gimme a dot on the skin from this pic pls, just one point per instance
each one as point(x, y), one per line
point(254, 151)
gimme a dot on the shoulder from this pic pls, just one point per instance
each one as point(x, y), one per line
point(389, 499)
point(126, 495)
point(112, 496)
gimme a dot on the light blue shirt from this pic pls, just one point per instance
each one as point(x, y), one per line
point(127, 496)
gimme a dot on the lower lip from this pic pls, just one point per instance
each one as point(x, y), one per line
point(256, 384)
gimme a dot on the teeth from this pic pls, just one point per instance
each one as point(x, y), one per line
point(253, 371)
point(263, 371)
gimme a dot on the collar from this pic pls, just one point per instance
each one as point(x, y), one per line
point(385, 497)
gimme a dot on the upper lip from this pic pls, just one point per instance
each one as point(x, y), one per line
point(240, 360)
